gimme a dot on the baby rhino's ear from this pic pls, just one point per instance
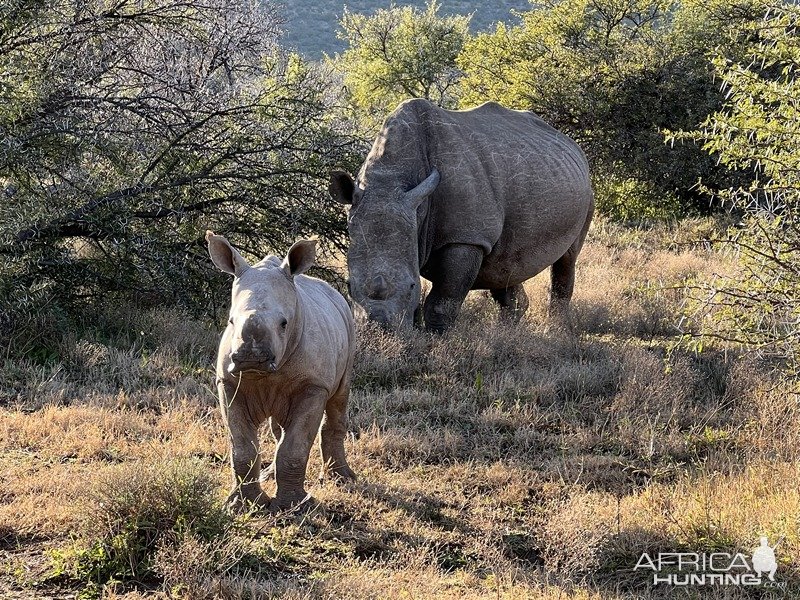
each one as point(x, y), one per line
point(300, 257)
point(225, 256)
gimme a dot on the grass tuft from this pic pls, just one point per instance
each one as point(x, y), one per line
point(140, 512)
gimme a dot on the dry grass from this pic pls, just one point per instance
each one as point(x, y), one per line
point(495, 461)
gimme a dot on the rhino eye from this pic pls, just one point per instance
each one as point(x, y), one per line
point(284, 323)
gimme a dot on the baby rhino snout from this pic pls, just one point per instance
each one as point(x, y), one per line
point(251, 349)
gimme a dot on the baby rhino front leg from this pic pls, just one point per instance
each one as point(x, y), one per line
point(245, 459)
point(291, 457)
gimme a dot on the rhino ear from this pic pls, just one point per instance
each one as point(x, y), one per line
point(300, 257)
point(417, 195)
point(224, 256)
point(341, 187)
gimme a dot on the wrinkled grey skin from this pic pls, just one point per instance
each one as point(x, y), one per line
point(477, 199)
point(287, 356)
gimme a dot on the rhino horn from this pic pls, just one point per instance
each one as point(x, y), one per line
point(415, 196)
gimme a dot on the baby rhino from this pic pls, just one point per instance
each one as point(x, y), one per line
point(286, 355)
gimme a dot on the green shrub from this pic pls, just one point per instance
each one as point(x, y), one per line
point(138, 511)
point(613, 75)
point(758, 130)
point(630, 200)
point(398, 53)
point(161, 121)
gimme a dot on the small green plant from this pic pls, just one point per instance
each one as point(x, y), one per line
point(138, 512)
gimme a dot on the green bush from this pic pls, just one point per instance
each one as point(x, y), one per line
point(398, 53)
point(160, 121)
point(614, 75)
point(758, 129)
point(630, 200)
point(139, 511)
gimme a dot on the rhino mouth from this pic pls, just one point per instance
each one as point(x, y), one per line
point(252, 366)
point(389, 321)
point(381, 317)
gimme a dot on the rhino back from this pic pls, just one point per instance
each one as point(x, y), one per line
point(511, 184)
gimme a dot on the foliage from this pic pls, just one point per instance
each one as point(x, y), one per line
point(139, 513)
point(759, 129)
point(631, 200)
point(311, 25)
point(399, 53)
point(129, 128)
point(613, 74)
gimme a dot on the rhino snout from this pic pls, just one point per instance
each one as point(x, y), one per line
point(378, 288)
point(252, 355)
point(244, 360)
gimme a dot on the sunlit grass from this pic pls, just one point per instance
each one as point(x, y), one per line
point(495, 461)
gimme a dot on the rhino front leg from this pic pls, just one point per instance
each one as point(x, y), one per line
point(243, 444)
point(452, 270)
point(513, 302)
point(291, 457)
point(332, 435)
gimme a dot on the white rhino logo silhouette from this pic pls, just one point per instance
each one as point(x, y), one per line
point(764, 559)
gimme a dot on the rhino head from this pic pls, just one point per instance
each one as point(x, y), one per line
point(383, 255)
point(264, 321)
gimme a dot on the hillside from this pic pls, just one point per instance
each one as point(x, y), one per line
point(311, 25)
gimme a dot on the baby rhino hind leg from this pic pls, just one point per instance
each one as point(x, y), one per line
point(334, 431)
point(513, 302)
point(268, 470)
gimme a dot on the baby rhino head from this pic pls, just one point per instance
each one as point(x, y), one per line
point(264, 309)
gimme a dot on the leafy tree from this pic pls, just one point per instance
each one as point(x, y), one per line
point(613, 74)
point(399, 53)
point(129, 127)
point(758, 129)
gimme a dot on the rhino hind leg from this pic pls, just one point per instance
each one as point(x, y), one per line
point(562, 284)
point(513, 302)
point(562, 277)
point(452, 270)
point(332, 435)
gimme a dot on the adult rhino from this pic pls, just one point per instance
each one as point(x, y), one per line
point(484, 198)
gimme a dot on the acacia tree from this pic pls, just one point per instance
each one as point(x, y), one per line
point(399, 53)
point(759, 130)
point(131, 126)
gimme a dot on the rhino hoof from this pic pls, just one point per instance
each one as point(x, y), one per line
point(303, 506)
point(238, 504)
point(343, 473)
